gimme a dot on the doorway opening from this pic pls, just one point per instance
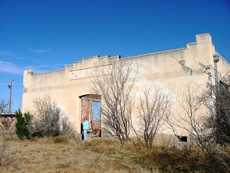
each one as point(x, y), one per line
point(91, 109)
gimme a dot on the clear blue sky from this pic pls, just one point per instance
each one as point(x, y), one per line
point(45, 34)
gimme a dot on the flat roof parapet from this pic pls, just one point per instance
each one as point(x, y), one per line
point(47, 72)
point(156, 53)
point(98, 60)
point(96, 57)
point(92, 61)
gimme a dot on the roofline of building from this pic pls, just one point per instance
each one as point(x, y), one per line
point(154, 53)
point(127, 57)
point(108, 56)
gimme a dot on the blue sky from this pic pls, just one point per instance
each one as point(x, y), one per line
point(45, 34)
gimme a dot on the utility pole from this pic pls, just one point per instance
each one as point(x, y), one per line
point(10, 86)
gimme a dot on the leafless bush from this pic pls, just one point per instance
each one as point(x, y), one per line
point(115, 86)
point(49, 120)
point(154, 107)
point(47, 116)
point(7, 124)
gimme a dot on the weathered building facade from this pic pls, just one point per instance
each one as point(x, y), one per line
point(172, 70)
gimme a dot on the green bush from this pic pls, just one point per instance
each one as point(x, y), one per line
point(23, 125)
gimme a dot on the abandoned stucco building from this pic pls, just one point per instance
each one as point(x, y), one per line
point(172, 70)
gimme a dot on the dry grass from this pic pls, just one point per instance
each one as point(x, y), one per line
point(67, 155)
point(178, 160)
point(59, 155)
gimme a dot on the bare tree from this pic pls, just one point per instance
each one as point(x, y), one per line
point(154, 107)
point(115, 86)
point(192, 121)
point(205, 118)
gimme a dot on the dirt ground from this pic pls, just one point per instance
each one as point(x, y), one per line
point(60, 156)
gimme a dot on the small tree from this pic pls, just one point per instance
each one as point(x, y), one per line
point(23, 125)
point(193, 121)
point(154, 107)
point(115, 86)
point(207, 128)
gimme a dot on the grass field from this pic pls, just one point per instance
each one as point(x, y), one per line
point(67, 155)
point(59, 155)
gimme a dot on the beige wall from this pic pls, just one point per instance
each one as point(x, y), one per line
point(172, 70)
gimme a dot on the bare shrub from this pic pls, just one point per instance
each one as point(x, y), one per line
point(47, 116)
point(154, 107)
point(7, 124)
point(115, 86)
point(49, 120)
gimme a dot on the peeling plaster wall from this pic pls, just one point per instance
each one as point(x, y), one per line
point(172, 70)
